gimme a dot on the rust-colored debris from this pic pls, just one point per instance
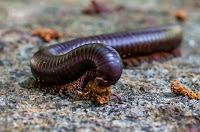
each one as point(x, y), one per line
point(96, 92)
point(180, 15)
point(47, 34)
point(177, 89)
point(98, 8)
point(81, 88)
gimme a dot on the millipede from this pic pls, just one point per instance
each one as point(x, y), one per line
point(86, 67)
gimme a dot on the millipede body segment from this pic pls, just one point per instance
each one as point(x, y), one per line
point(99, 60)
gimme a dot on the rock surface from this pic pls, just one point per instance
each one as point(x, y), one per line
point(148, 103)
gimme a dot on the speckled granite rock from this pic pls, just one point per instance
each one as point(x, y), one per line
point(148, 103)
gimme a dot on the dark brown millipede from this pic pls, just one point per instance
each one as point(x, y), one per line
point(100, 55)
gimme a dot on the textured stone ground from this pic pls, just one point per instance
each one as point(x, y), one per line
point(148, 103)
